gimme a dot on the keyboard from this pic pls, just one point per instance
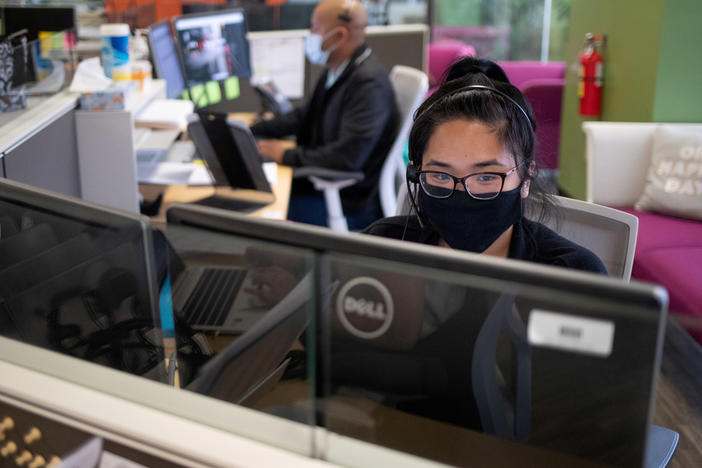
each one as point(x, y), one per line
point(213, 296)
point(233, 204)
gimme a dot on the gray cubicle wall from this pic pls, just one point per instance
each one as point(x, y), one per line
point(393, 45)
point(48, 158)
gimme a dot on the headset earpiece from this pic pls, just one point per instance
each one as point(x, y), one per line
point(412, 174)
point(345, 16)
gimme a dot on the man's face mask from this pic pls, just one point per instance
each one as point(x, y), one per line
point(469, 224)
point(313, 48)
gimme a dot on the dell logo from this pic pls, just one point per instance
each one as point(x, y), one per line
point(364, 307)
point(360, 306)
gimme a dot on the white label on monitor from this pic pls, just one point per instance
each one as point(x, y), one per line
point(570, 333)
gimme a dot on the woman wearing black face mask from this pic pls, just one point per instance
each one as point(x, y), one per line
point(471, 168)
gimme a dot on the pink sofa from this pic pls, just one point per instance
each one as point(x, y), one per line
point(520, 73)
point(542, 84)
point(441, 54)
point(668, 249)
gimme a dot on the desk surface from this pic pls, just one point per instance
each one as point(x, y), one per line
point(277, 209)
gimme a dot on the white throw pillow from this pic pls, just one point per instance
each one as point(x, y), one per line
point(674, 183)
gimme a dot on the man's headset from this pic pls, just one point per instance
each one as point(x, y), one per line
point(412, 173)
point(346, 14)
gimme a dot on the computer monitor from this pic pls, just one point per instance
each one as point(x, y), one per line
point(165, 58)
point(229, 150)
point(559, 359)
point(260, 17)
point(296, 15)
point(213, 46)
point(79, 278)
point(37, 19)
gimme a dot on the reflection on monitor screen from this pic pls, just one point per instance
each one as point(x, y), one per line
point(79, 279)
point(213, 46)
point(165, 58)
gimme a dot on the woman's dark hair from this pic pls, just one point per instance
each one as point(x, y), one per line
point(510, 116)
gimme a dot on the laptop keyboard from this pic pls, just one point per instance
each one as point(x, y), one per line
point(213, 296)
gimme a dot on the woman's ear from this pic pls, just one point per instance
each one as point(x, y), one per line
point(527, 182)
point(525, 188)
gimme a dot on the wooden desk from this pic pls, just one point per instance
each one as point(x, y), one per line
point(277, 209)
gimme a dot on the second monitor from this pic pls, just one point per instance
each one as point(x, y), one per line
point(213, 46)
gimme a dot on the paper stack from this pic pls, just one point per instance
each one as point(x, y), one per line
point(165, 114)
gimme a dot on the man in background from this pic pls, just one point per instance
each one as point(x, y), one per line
point(348, 124)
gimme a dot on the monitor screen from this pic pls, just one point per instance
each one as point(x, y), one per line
point(79, 278)
point(213, 46)
point(229, 151)
point(165, 58)
point(559, 359)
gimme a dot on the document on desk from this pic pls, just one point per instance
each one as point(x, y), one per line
point(165, 114)
point(190, 173)
point(281, 57)
point(172, 173)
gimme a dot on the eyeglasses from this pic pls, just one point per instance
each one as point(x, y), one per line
point(481, 185)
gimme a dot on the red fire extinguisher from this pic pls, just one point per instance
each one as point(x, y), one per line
point(590, 89)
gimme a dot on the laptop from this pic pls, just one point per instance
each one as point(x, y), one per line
point(215, 299)
point(229, 151)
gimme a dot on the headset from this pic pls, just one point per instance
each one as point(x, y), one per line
point(346, 14)
point(412, 173)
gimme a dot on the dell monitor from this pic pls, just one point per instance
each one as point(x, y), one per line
point(165, 58)
point(558, 359)
point(79, 278)
point(213, 46)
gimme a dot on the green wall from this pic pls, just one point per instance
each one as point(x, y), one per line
point(678, 95)
point(652, 73)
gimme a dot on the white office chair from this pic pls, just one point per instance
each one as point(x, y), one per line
point(410, 86)
point(608, 233)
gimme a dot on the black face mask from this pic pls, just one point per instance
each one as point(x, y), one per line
point(469, 224)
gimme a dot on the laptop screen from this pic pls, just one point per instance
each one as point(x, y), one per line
point(559, 359)
point(229, 151)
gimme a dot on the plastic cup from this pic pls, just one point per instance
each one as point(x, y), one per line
point(115, 47)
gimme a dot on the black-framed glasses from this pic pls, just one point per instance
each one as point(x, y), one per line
point(481, 185)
